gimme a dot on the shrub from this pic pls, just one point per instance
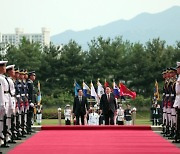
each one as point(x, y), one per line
point(59, 100)
point(141, 103)
point(50, 113)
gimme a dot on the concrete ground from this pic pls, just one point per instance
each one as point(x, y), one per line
point(171, 141)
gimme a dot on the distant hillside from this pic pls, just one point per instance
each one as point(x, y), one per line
point(143, 27)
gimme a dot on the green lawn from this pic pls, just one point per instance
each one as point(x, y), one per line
point(142, 118)
point(56, 122)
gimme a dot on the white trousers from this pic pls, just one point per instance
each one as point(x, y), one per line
point(129, 122)
point(39, 118)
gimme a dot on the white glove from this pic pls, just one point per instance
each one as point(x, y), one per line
point(31, 104)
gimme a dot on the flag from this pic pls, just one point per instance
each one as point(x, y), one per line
point(124, 91)
point(106, 84)
point(76, 88)
point(86, 90)
point(156, 91)
point(116, 90)
point(93, 93)
point(100, 89)
point(39, 93)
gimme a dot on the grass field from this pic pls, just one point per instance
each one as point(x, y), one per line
point(142, 118)
point(56, 122)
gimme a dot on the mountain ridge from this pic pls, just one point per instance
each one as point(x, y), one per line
point(141, 28)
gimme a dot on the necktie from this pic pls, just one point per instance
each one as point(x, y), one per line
point(108, 97)
point(80, 99)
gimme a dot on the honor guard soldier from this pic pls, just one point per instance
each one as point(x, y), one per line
point(164, 102)
point(26, 95)
point(18, 97)
point(133, 112)
point(23, 101)
point(177, 105)
point(155, 114)
point(168, 102)
point(31, 97)
point(17, 85)
point(3, 103)
point(68, 114)
point(173, 74)
point(11, 111)
point(39, 113)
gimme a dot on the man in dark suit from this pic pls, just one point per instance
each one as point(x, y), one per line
point(80, 107)
point(108, 106)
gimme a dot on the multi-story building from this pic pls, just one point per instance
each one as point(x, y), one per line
point(14, 39)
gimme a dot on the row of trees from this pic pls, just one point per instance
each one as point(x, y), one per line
point(58, 66)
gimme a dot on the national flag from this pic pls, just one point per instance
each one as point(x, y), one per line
point(76, 88)
point(156, 91)
point(124, 91)
point(93, 93)
point(86, 90)
point(39, 93)
point(100, 89)
point(116, 90)
point(106, 84)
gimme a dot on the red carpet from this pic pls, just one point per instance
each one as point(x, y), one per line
point(96, 141)
point(103, 127)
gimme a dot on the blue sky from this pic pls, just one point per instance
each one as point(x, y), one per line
point(61, 15)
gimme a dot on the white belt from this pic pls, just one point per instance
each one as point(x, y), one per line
point(167, 94)
point(172, 94)
point(22, 94)
point(18, 96)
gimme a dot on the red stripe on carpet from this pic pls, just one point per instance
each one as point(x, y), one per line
point(102, 127)
point(96, 142)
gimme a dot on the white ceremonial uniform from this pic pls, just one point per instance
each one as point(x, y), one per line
point(67, 114)
point(4, 104)
point(177, 99)
point(12, 102)
point(120, 114)
point(8, 106)
point(93, 119)
point(39, 114)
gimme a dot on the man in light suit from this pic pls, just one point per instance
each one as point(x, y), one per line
point(108, 106)
point(80, 107)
